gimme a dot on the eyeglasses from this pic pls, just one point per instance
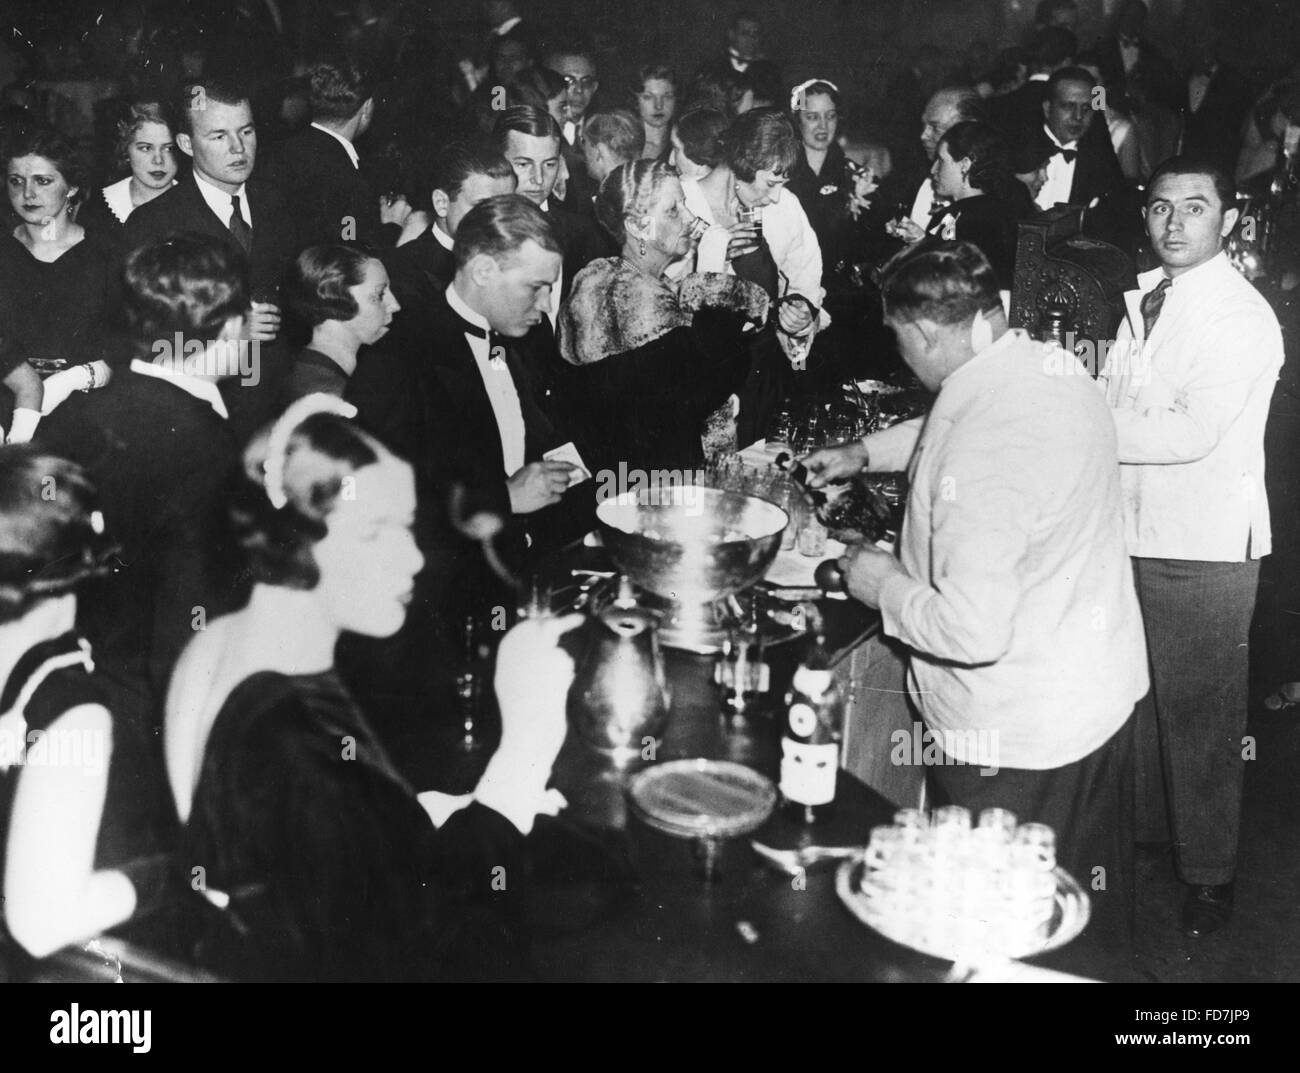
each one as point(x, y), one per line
point(585, 82)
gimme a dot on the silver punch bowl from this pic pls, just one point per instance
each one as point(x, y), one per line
point(692, 546)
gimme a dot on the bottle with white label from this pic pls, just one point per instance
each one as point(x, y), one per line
point(811, 735)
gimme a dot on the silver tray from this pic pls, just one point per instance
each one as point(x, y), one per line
point(1069, 916)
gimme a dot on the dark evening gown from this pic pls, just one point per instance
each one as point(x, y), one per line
point(644, 373)
point(333, 868)
point(991, 223)
point(137, 827)
point(61, 313)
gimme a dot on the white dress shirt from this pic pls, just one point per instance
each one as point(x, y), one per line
point(554, 312)
point(508, 25)
point(1060, 175)
point(1190, 405)
point(923, 205)
point(788, 235)
point(351, 149)
point(500, 385)
point(221, 203)
point(1018, 603)
point(203, 390)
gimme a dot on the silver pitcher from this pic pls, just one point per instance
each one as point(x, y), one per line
point(619, 699)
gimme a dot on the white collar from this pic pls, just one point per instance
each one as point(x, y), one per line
point(203, 390)
point(1202, 275)
point(459, 306)
point(443, 239)
point(1064, 145)
point(740, 65)
point(1006, 339)
point(352, 152)
point(1042, 76)
point(118, 198)
point(508, 25)
point(220, 202)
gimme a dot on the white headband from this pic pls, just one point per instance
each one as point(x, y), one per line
point(277, 444)
point(796, 94)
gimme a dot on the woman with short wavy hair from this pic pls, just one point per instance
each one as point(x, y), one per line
point(146, 151)
point(327, 864)
point(58, 282)
point(343, 295)
point(973, 169)
point(763, 236)
point(655, 357)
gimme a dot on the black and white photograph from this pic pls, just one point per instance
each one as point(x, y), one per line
point(586, 491)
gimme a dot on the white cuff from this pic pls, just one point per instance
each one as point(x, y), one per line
point(24, 425)
point(518, 791)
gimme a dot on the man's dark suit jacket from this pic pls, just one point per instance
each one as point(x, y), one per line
point(161, 460)
point(276, 238)
point(276, 242)
point(580, 238)
point(1096, 168)
point(323, 189)
point(418, 269)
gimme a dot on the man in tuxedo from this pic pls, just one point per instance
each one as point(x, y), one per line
point(1083, 167)
point(248, 215)
point(465, 411)
point(318, 169)
point(157, 444)
point(575, 62)
point(530, 140)
point(465, 174)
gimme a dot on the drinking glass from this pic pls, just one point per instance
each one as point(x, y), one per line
point(811, 539)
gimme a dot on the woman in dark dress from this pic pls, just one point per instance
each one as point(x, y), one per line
point(146, 150)
point(58, 283)
point(972, 166)
point(81, 817)
point(342, 294)
point(326, 863)
point(834, 191)
point(653, 358)
point(656, 102)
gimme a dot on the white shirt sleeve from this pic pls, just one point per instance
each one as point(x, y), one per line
point(795, 249)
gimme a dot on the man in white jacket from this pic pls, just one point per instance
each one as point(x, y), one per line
point(1189, 382)
point(1012, 587)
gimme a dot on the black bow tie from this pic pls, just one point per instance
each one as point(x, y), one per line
point(1069, 154)
point(472, 329)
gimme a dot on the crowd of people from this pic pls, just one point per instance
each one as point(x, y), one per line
point(264, 392)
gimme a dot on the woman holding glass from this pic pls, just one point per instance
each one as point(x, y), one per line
point(326, 864)
point(759, 235)
point(654, 357)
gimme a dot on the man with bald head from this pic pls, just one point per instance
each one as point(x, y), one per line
point(945, 109)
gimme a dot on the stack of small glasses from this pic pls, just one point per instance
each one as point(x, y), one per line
point(936, 883)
